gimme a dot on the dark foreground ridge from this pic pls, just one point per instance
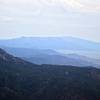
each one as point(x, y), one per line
point(20, 80)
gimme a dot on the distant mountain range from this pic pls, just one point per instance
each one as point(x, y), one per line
point(55, 43)
point(43, 56)
point(43, 50)
point(21, 80)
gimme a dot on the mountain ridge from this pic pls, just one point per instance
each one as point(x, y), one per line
point(68, 43)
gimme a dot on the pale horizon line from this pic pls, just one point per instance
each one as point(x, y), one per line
point(48, 36)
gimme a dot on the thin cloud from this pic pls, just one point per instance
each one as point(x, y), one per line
point(50, 17)
point(82, 6)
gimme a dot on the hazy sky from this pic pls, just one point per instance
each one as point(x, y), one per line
point(79, 18)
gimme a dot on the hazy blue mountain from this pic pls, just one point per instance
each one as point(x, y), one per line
point(26, 81)
point(62, 60)
point(41, 50)
point(68, 43)
point(30, 52)
point(43, 56)
point(86, 58)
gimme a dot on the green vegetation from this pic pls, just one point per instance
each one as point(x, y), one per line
point(26, 81)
